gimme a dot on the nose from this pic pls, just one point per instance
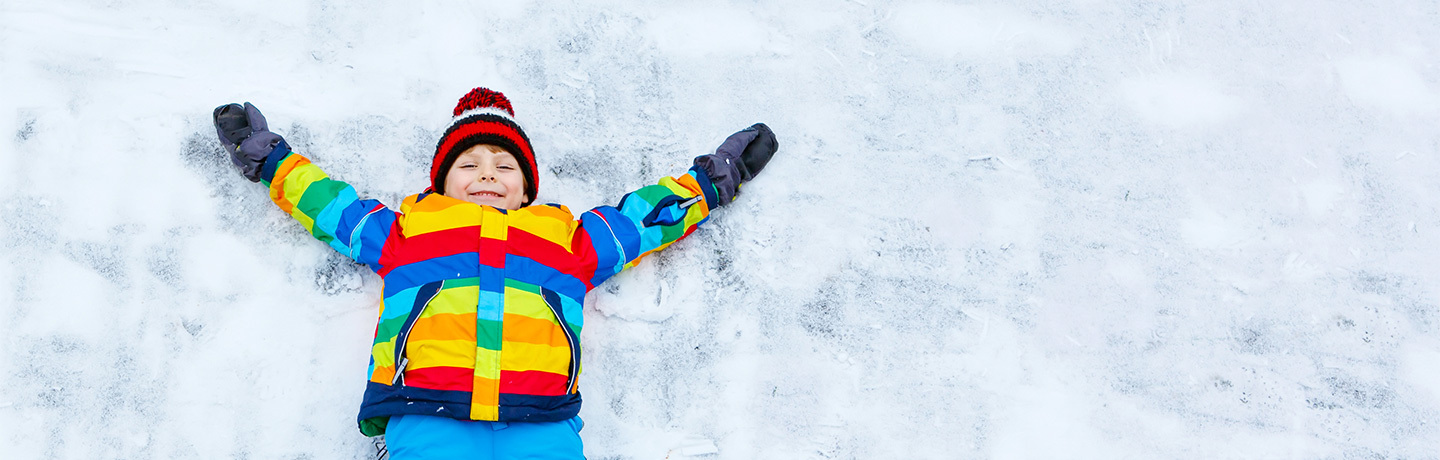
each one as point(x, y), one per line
point(488, 173)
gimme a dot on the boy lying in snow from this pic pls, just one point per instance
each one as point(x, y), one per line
point(477, 349)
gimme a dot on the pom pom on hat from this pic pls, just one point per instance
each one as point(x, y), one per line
point(483, 98)
point(484, 116)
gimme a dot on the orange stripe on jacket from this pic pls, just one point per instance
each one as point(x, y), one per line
point(277, 187)
point(525, 329)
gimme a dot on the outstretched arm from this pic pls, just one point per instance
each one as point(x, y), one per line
point(329, 209)
point(649, 219)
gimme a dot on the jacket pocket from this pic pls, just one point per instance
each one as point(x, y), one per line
point(423, 297)
point(552, 300)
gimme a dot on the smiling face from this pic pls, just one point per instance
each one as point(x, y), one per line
point(489, 175)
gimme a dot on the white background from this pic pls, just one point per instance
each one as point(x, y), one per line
point(1034, 229)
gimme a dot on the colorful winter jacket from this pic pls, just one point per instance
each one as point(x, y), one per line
point(481, 312)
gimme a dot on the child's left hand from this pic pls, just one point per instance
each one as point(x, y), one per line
point(245, 134)
point(738, 160)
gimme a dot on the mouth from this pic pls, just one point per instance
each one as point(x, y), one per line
point(486, 195)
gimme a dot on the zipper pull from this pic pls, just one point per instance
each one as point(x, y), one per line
point(400, 371)
point(691, 202)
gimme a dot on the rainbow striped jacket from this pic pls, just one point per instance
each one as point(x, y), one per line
point(481, 312)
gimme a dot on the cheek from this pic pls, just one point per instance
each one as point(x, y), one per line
point(516, 182)
point(457, 181)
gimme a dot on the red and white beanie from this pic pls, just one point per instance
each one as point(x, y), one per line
point(484, 117)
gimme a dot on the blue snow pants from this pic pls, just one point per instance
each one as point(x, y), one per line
point(422, 437)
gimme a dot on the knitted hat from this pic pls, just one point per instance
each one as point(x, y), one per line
point(484, 117)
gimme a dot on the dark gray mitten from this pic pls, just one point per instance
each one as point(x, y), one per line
point(244, 133)
point(738, 160)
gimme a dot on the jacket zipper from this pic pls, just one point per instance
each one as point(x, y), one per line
point(691, 202)
point(401, 361)
point(569, 337)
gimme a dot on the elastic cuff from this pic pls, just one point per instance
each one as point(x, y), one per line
point(712, 197)
point(272, 161)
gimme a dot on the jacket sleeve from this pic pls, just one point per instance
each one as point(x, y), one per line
point(645, 221)
point(327, 208)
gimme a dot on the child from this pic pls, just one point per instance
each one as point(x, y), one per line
point(477, 349)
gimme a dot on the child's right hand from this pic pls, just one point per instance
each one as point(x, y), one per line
point(244, 133)
point(738, 160)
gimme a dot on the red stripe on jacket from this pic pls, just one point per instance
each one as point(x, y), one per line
point(431, 245)
point(549, 254)
point(538, 383)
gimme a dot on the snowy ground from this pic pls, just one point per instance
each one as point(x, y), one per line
point(1033, 229)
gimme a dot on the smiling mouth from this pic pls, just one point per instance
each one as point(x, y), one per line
point(487, 195)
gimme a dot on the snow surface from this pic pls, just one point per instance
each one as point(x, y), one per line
point(1029, 229)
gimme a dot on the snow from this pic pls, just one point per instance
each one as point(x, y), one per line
point(945, 30)
point(1386, 83)
point(1031, 229)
